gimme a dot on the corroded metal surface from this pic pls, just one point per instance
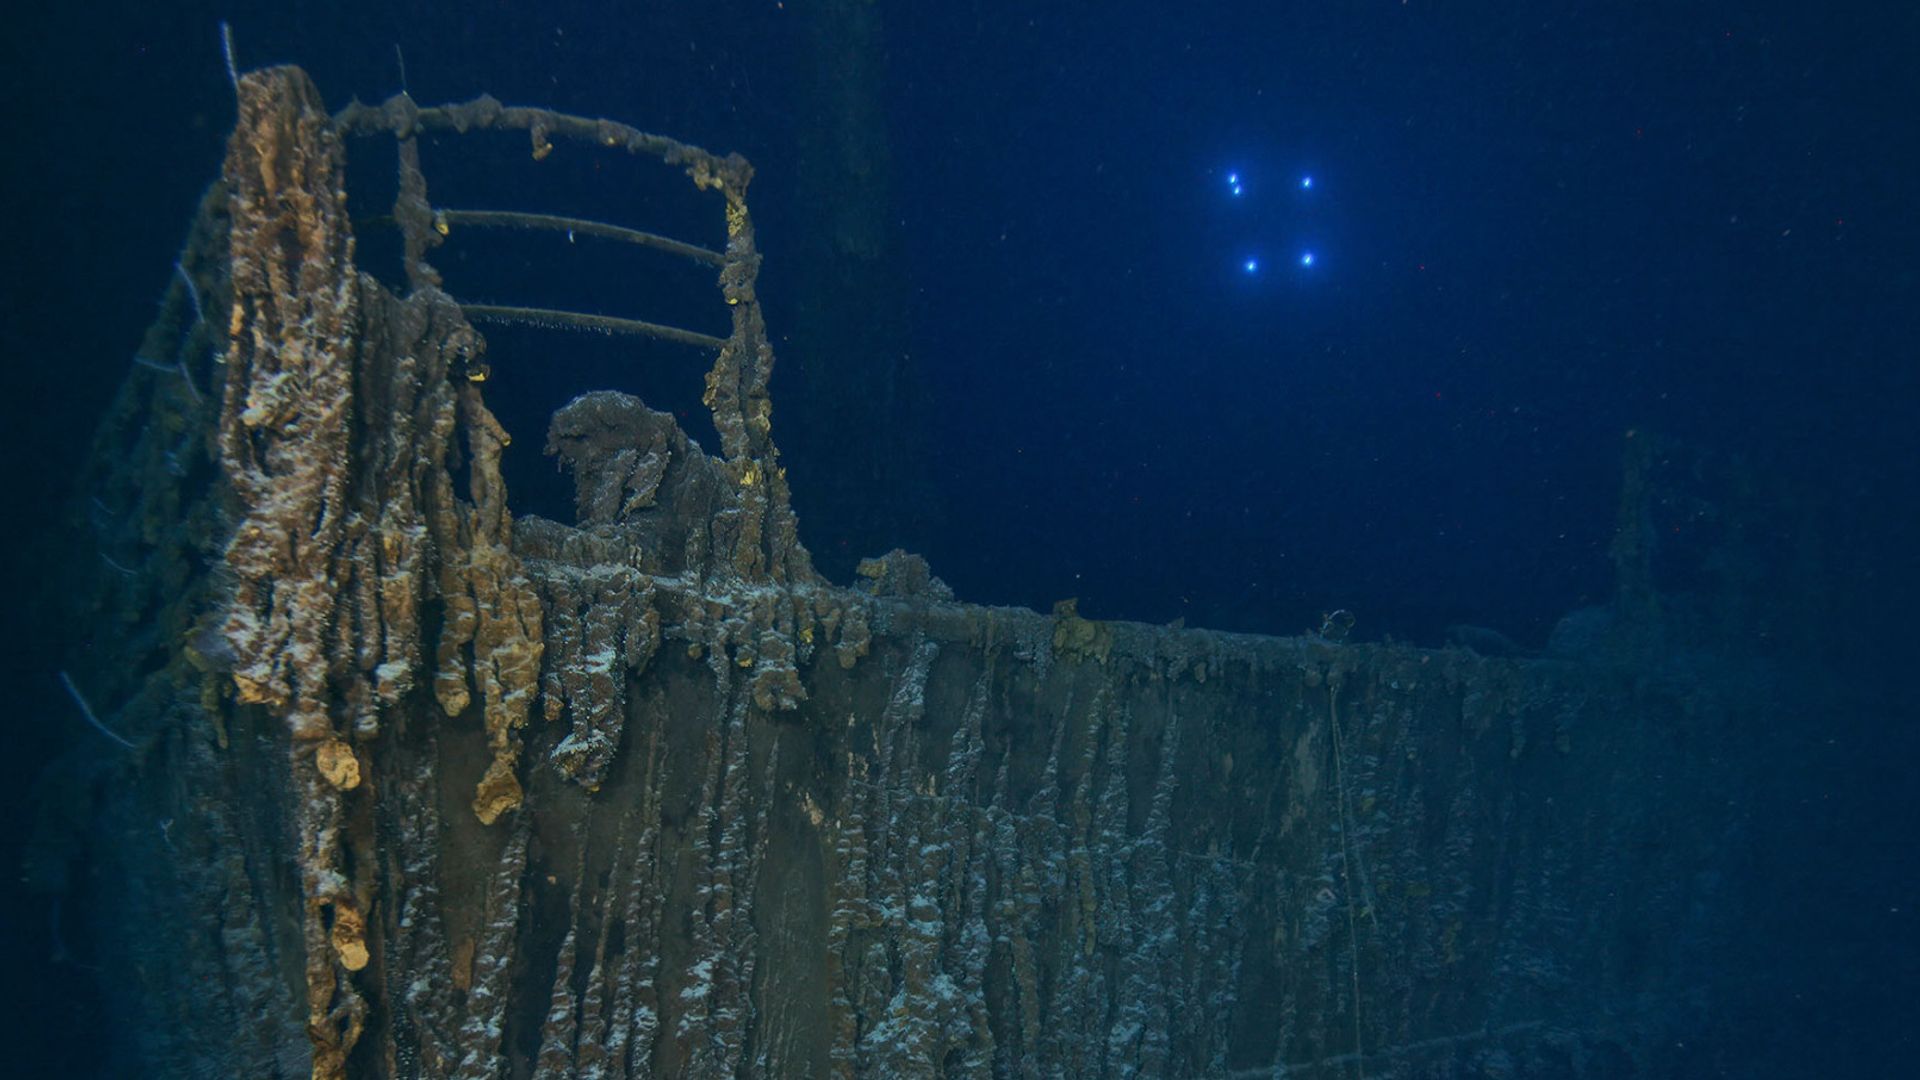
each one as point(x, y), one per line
point(423, 790)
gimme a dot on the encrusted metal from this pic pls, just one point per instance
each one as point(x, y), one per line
point(420, 789)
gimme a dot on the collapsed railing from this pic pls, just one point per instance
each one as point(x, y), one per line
point(737, 385)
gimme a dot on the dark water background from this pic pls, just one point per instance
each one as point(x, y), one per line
point(1535, 228)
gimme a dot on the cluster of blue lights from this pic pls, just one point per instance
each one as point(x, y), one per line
point(1250, 264)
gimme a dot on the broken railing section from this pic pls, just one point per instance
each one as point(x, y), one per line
point(747, 535)
point(767, 544)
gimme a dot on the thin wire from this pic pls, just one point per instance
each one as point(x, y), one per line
point(226, 49)
point(86, 710)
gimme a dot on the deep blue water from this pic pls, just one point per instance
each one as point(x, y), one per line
point(1534, 229)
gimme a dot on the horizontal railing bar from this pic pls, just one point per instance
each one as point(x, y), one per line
point(514, 219)
point(401, 116)
point(551, 319)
